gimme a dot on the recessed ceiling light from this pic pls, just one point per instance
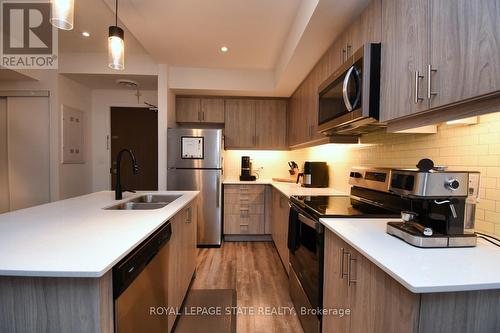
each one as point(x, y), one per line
point(85, 34)
point(224, 49)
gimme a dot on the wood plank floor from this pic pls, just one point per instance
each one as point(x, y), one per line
point(255, 271)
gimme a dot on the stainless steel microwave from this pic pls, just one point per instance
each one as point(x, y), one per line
point(349, 100)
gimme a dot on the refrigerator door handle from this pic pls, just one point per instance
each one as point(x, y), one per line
point(218, 191)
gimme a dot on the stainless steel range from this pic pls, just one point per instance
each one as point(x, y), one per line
point(306, 239)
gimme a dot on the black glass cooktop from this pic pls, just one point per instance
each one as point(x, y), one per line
point(340, 206)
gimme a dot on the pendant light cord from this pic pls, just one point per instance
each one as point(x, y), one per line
point(116, 12)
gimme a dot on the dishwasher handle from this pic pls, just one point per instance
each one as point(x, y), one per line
point(127, 270)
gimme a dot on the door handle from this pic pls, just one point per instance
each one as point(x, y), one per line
point(342, 253)
point(218, 191)
point(430, 70)
point(418, 77)
point(350, 280)
point(189, 215)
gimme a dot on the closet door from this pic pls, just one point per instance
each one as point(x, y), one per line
point(4, 174)
point(28, 151)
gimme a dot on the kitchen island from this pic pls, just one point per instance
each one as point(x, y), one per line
point(391, 286)
point(56, 259)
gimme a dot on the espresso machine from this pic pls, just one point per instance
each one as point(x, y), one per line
point(246, 169)
point(440, 207)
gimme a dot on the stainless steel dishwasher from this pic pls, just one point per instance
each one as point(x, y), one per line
point(140, 286)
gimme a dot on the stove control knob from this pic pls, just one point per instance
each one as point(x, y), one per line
point(356, 175)
point(452, 184)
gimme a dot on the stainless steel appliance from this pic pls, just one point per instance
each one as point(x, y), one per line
point(306, 240)
point(139, 283)
point(441, 207)
point(349, 99)
point(315, 174)
point(195, 162)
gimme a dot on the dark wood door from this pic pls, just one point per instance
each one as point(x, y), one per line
point(135, 129)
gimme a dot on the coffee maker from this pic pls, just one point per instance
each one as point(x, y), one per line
point(246, 169)
point(440, 207)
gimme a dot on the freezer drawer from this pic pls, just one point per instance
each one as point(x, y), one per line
point(208, 182)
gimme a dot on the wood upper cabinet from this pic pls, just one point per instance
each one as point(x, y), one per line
point(465, 49)
point(212, 110)
point(404, 58)
point(437, 53)
point(368, 27)
point(256, 123)
point(271, 124)
point(199, 110)
point(187, 109)
point(240, 123)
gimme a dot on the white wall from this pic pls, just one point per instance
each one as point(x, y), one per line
point(102, 101)
point(76, 179)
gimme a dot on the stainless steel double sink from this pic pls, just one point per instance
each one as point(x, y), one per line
point(146, 202)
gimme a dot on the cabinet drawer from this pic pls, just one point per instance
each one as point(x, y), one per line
point(243, 209)
point(243, 225)
point(244, 188)
point(244, 198)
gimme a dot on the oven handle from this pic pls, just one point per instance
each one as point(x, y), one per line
point(351, 73)
point(310, 222)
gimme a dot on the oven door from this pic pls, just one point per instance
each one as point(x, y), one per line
point(306, 245)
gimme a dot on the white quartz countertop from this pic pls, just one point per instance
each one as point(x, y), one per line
point(77, 237)
point(288, 189)
point(421, 270)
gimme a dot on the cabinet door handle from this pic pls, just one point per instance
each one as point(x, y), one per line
point(343, 55)
point(342, 254)
point(418, 77)
point(350, 280)
point(430, 70)
point(203, 115)
point(189, 215)
point(348, 51)
point(199, 115)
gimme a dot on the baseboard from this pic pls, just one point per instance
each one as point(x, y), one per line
point(247, 238)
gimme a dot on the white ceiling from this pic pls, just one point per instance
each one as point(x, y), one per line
point(273, 44)
point(94, 16)
point(191, 32)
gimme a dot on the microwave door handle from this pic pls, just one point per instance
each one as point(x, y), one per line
point(345, 88)
point(352, 73)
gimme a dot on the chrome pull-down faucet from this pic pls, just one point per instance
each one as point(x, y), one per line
point(135, 171)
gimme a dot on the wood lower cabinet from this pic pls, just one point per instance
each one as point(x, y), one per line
point(378, 303)
point(279, 225)
point(244, 210)
point(206, 110)
point(182, 257)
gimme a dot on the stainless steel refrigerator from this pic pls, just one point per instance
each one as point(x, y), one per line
point(195, 161)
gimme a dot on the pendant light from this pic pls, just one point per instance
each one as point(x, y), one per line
point(116, 45)
point(62, 14)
